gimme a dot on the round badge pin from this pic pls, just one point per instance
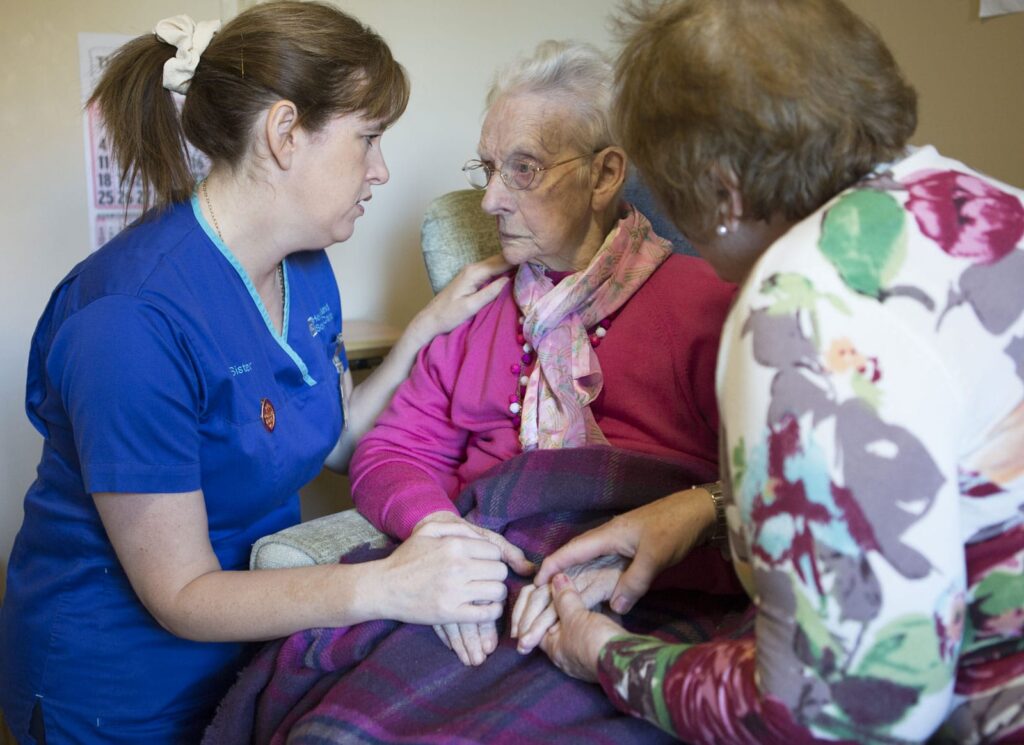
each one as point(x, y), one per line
point(267, 414)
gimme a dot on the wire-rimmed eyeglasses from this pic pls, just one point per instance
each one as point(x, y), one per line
point(517, 172)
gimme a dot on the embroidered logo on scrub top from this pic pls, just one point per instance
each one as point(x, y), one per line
point(319, 320)
point(267, 414)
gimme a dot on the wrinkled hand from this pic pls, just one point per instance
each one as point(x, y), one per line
point(575, 642)
point(443, 573)
point(534, 612)
point(472, 642)
point(655, 536)
point(469, 291)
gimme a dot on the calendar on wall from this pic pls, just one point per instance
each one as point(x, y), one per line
point(112, 205)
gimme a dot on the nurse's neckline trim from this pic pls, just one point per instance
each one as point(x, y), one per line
point(216, 226)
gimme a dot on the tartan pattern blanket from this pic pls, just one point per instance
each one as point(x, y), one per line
point(387, 682)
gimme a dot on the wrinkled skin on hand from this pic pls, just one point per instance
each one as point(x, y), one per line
point(575, 642)
point(471, 642)
point(653, 537)
point(534, 613)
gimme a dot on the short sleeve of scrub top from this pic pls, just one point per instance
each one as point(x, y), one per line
point(116, 363)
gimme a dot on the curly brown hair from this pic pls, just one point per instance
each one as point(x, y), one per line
point(798, 98)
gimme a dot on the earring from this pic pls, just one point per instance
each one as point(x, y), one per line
point(722, 230)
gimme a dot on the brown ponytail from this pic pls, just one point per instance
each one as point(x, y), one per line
point(323, 60)
point(142, 122)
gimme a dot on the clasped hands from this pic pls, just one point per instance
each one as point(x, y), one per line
point(534, 613)
point(614, 563)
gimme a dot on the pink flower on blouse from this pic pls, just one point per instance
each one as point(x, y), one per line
point(966, 216)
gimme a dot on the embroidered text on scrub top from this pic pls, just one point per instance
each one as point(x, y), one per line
point(319, 320)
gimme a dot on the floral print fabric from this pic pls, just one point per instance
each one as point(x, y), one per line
point(871, 385)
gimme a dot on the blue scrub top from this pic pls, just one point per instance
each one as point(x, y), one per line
point(155, 368)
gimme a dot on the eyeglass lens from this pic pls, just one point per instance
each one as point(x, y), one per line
point(517, 173)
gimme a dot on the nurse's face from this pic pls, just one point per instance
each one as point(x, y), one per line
point(339, 166)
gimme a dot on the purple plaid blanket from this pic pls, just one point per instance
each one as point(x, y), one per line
point(386, 682)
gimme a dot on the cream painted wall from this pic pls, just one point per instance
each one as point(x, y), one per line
point(970, 75)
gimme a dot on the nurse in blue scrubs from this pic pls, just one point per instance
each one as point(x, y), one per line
point(189, 377)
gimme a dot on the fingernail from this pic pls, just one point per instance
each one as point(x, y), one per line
point(560, 581)
point(619, 604)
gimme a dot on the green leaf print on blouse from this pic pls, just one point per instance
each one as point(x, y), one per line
point(639, 661)
point(907, 651)
point(863, 235)
point(792, 293)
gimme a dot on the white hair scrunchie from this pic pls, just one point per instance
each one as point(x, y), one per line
point(191, 39)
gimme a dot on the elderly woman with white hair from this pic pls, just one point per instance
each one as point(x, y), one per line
point(604, 337)
point(585, 388)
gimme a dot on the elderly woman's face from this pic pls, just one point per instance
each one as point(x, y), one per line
point(551, 220)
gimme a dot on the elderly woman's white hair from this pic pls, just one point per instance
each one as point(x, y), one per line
point(578, 74)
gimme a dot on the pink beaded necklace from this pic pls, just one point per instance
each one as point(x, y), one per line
point(522, 368)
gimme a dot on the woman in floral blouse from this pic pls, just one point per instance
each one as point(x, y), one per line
point(871, 387)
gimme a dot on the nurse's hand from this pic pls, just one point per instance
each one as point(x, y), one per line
point(471, 289)
point(472, 642)
point(510, 553)
point(444, 572)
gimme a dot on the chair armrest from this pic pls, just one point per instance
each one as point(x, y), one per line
point(320, 541)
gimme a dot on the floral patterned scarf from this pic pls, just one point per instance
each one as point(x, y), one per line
point(567, 377)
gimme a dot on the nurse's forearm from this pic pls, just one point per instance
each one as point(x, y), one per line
point(268, 604)
point(444, 574)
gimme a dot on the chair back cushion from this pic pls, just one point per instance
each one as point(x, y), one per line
point(636, 193)
point(455, 232)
